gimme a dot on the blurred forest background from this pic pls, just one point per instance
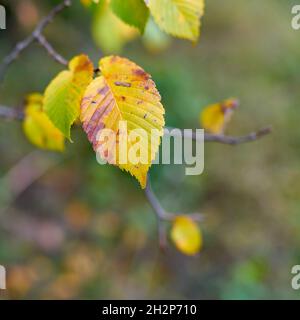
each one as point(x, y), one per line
point(82, 230)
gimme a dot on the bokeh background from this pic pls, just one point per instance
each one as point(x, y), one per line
point(70, 228)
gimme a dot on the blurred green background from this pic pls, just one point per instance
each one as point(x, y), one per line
point(81, 230)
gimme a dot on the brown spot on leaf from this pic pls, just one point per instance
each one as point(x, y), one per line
point(123, 84)
point(141, 73)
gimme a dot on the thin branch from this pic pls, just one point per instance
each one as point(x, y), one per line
point(253, 136)
point(162, 215)
point(155, 204)
point(35, 35)
point(51, 51)
point(230, 140)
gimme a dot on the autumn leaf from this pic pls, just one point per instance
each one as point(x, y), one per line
point(180, 18)
point(215, 117)
point(125, 101)
point(110, 33)
point(64, 93)
point(186, 235)
point(38, 128)
point(133, 12)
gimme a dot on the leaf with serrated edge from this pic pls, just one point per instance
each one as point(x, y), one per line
point(38, 128)
point(64, 93)
point(123, 92)
point(180, 18)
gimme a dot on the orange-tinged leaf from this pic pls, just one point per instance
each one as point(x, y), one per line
point(215, 117)
point(38, 128)
point(186, 235)
point(125, 102)
point(64, 93)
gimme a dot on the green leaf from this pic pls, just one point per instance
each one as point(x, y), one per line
point(180, 18)
point(63, 95)
point(110, 33)
point(132, 12)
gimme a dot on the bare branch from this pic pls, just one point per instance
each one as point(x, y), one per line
point(162, 215)
point(230, 140)
point(51, 51)
point(35, 35)
point(155, 204)
point(238, 140)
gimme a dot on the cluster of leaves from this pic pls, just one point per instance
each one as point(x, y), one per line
point(123, 91)
point(117, 21)
point(118, 89)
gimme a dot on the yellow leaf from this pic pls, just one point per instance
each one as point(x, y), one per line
point(215, 117)
point(64, 93)
point(109, 32)
point(125, 101)
point(180, 18)
point(186, 235)
point(38, 128)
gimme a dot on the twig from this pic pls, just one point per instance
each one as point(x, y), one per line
point(35, 35)
point(230, 140)
point(162, 215)
point(238, 140)
point(155, 204)
point(51, 51)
